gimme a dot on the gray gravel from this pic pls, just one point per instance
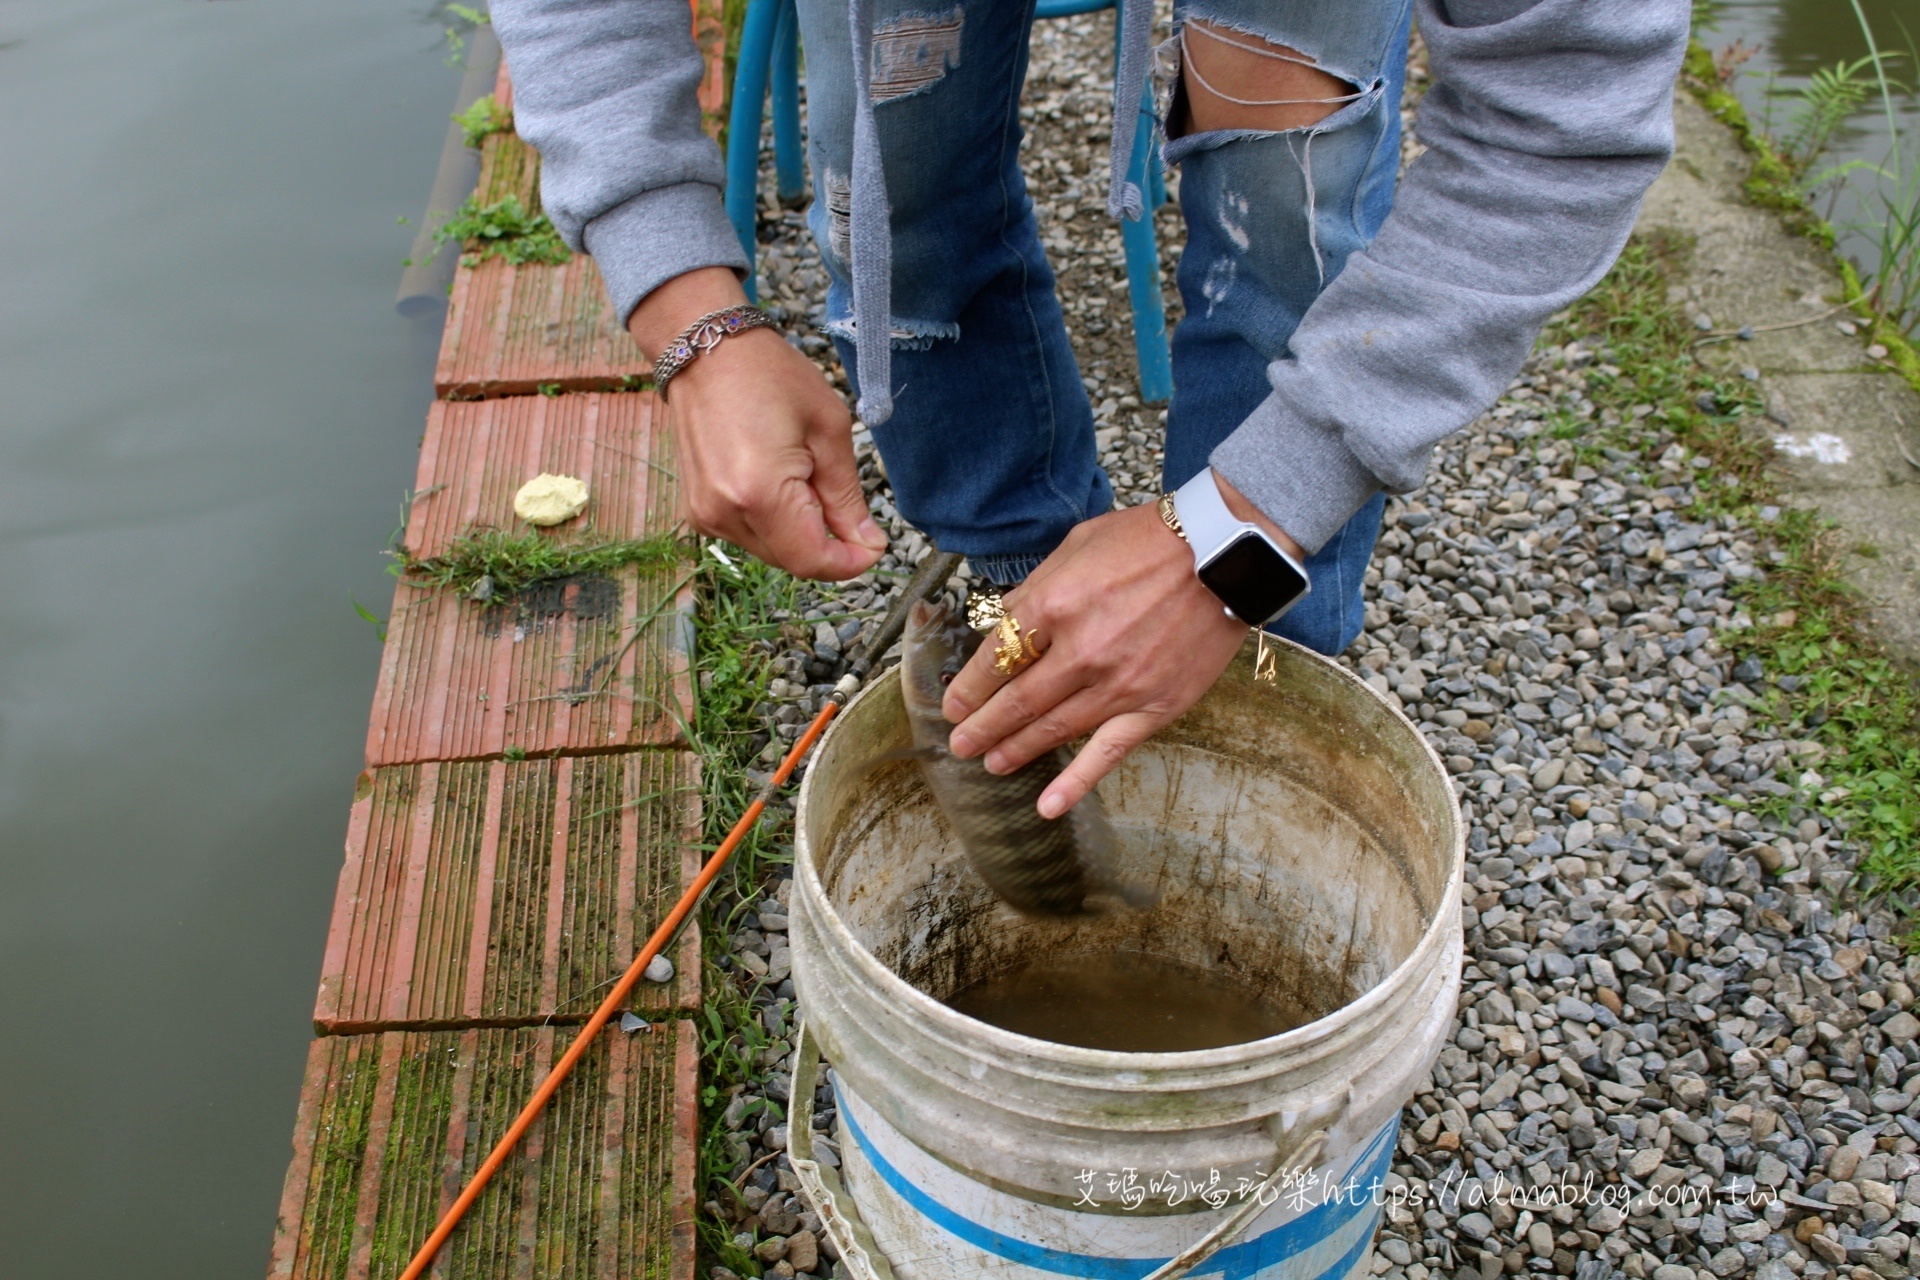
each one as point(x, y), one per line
point(1665, 998)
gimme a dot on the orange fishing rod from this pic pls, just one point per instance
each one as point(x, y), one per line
point(932, 576)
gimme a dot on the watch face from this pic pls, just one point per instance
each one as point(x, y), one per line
point(1252, 579)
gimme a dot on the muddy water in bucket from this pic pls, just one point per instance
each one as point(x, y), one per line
point(1125, 1001)
point(1304, 845)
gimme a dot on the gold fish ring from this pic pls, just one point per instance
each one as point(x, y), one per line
point(1012, 651)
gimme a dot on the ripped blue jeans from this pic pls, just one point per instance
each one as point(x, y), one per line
point(990, 449)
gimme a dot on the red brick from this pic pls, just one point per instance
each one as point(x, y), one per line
point(507, 893)
point(503, 87)
point(588, 664)
point(478, 453)
point(508, 167)
point(710, 34)
point(391, 1126)
point(512, 330)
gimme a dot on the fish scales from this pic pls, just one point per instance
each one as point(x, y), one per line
point(1029, 861)
point(1038, 866)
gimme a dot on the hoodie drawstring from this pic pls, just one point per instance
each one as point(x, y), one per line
point(1124, 199)
point(869, 235)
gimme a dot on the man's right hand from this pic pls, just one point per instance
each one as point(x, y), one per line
point(764, 443)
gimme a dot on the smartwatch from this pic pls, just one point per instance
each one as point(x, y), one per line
point(1234, 558)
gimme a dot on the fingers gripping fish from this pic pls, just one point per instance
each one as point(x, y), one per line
point(1041, 867)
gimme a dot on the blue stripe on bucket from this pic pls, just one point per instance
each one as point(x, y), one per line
point(1237, 1262)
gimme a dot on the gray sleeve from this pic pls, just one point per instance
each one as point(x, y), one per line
point(1543, 131)
point(605, 91)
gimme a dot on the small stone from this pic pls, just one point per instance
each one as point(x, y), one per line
point(1690, 1091)
point(803, 1251)
point(1475, 1226)
point(659, 969)
point(1901, 1028)
point(1828, 1249)
point(1844, 1195)
point(771, 1250)
point(1672, 1271)
point(1841, 1167)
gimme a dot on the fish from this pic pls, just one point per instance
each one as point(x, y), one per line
point(1038, 866)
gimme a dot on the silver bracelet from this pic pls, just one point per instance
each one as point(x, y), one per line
point(704, 335)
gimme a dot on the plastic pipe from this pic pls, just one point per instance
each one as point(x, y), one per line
point(423, 284)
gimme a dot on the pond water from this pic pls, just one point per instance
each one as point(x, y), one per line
point(1793, 39)
point(210, 414)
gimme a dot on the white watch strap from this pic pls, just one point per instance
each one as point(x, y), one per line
point(1205, 518)
point(1210, 526)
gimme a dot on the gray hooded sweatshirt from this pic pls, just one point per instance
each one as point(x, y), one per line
point(1545, 123)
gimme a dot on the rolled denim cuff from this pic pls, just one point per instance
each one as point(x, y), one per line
point(1007, 571)
point(641, 244)
point(1301, 475)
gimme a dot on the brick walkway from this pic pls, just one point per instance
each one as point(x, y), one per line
point(529, 811)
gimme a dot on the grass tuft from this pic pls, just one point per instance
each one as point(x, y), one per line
point(493, 566)
point(483, 119)
point(504, 229)
point(735, 644)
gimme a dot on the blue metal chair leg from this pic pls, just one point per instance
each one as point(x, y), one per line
point(787, 160)
point(743, 124)
point(1143, 272)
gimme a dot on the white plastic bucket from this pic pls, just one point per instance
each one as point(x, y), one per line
point(1302, 836)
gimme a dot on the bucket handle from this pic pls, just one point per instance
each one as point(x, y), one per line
point(1301, 1138)
point(820, 1184)
point(1300, 1135)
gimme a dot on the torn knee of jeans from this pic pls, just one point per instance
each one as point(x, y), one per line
point(903, 335)
point(839, 216)
point(914, 52)
point(1227, 78)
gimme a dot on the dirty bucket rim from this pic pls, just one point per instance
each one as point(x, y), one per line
point(1305, 1042)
